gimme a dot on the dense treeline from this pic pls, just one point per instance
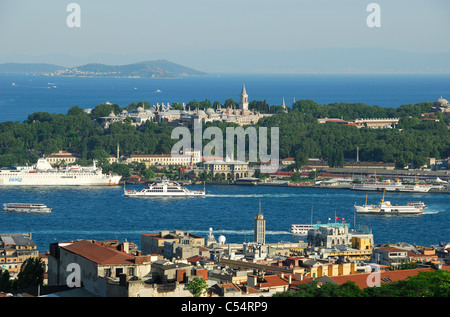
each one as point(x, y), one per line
point(352, 111)
point(412, 142)
point(301, 136)
point(425, 284)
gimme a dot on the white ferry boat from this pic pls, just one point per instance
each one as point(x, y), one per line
point(385, 207)
point(393, 186)
point(164, 188)
point(301, 229)
point(25, 207)
point(42, 173)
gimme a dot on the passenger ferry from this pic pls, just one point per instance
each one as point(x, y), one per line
point(385, 207)
point(164, 188)
point(396, 186)
point(25, 207)
point(42, 173)
point(301, 230)
point(393, 186)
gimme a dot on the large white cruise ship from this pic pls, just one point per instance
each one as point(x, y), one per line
point(44, 174)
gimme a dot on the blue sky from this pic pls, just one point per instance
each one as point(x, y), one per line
point(202, 33)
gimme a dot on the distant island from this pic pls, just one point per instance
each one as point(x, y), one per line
point(146, 69)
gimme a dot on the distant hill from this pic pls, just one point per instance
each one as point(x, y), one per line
point(28, 68)
point(147, 69)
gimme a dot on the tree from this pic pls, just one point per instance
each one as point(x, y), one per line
point(31, 273)
point(197, 286)
point(5, 283)
point(300, 159)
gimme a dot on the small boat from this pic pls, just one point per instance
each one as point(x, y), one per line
point(27, 208)
point(165, 188)
point(385, 207)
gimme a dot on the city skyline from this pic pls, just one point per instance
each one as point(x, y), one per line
point(234, 36)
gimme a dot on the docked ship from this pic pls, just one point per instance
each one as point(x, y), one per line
point(301, 229)
point(385, 207)
point(26, 207)
point(396, 186)
point(164, 188)
point(42, 173)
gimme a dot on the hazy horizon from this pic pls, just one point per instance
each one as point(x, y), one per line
point(252, 36)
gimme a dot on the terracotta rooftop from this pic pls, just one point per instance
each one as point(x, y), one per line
point(386, 277)
point(99, 254)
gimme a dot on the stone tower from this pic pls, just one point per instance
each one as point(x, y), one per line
point(243, 103)
point(260, 227)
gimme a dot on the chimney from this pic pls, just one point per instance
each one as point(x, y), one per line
point(252, 280)
point(126, 247)
point(290, 279)
point(123, 279)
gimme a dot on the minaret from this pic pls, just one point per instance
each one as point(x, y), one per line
point(243, 103)
point(260, 227)
point(118, 153)
point(283, 105)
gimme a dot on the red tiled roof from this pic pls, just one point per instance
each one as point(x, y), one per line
point(273, 281)
point(361, 279)
point(99, 254)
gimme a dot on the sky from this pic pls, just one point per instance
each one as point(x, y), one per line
point(217, 35)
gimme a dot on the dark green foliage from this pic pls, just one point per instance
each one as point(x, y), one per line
point(31, 273)
point(424, 284)
point(301, 136)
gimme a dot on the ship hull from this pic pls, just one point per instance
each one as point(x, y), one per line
point(390, 188)
point(59, 180)
point(388, 211)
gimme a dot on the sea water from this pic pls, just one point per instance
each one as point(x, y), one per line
point(21, 95)
point(103, 213)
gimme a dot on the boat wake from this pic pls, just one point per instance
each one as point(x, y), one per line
point(240, 232)
point(256, 195)
point(430, 212)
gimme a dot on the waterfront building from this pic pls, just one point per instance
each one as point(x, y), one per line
point(374, 123)
point(228, 169)
point(186, 160)
point(16, 248)
point(62, 157)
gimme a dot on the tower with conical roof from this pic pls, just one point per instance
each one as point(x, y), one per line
point(243, 103)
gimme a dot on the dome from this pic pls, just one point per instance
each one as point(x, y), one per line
point(201, 113)
point(140, 109)
point(222, 239)
point(210, 111)
point(441, 102)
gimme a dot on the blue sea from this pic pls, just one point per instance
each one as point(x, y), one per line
point(103, 213)
point(21, 95)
